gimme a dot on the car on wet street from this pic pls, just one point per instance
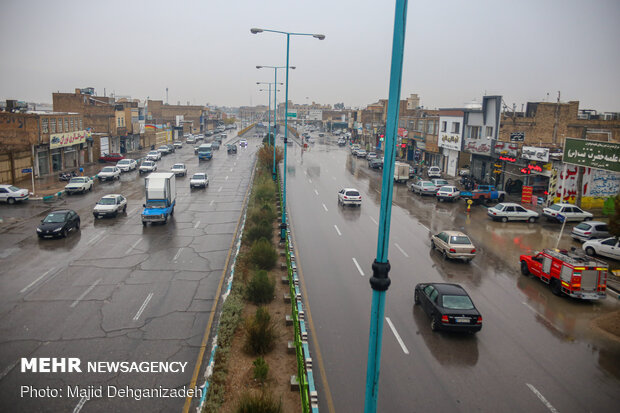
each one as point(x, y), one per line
point(605, 247)
point(11, 194)
point(449, 307)
point(590, 230)
point(349, 196)
point(147, 166)
point(509, 211)
point(569, 211)
point(58, 224)
point(454, 245)
point(448, 193)
point(110, 206)
point(179, 169)
point(199, 180)
point(79, 184)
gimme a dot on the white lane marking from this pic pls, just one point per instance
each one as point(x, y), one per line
point(316, 192)
point(542, 398)
point(377, 191)
point(231, 169)
point(133, 211)
point(80, 404)
point(134, 245)
point(235, 164)
point(8, 370)
point(325, 208)
point(425, 227)
point(196, 224)
point(400, 340)
point(309, 180)
point(401, 250)
point(541, 316)
point(219, 189)
point(89, 289)
point(35, 281)
point(176, 256)
point(358, 267)
point(96, 238)
point(226, 179)
point(337, 230)
point(374, 220)
point(144, 304)
point(211, 203)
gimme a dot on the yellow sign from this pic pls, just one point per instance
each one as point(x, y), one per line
point(58, 140)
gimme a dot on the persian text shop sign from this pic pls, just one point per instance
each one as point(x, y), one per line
point(595, 154)
point(449, 141)
point(535, 154)
point(58, 140)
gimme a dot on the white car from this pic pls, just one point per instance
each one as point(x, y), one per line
point(607, 247)
point(448, 193)
point(423, 187)
point(110, 205)
point(569, 211)
point(361, 153)
point(454, 244)
point(10, 194)
point(153, 156)
point(147, 166)
point(199, 180)
point(508, 211)
point(434, 172)
point(178, 144)
point(164, 150)
point(126, 165)
point(349, 196)
point(243, 143)
point(79, 184)
point(109, 173)
point(190, 139)
point(179, 169)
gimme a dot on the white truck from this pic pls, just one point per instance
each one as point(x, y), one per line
point(401, 172)
point(160, 197)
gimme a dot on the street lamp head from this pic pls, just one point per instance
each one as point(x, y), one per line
point(319, 36)
point(258, 67)
point(293, 67)
point(254, 30)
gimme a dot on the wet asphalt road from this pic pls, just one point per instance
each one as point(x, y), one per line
point(115, 290)
point(536, 352)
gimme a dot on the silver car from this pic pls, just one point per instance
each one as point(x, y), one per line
point(423, 188)
point(590, 230)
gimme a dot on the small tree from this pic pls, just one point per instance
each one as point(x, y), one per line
point(260, 333)
point(260, 288)
point(263, 254)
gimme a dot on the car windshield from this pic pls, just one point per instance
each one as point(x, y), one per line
point(55, 217)
point(13, 188)
point(156, 204)
point(446, 189)
point(123, 162)
point(457, 302)
point(583, 226)
point(178, 166)
point(108, 169)
point(459, 239)
point(442, 182)
point(107, 201)
point(198, 176)
point(427, 184)
point(153, 153)
point(77, 180)
point(147, 163)
point(556, 207)
point(352, 193)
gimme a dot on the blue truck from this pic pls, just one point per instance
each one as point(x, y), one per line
point(205, 152)
point(484, 193)
point(160, 197)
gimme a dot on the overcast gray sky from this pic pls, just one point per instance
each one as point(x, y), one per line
point(203, 51)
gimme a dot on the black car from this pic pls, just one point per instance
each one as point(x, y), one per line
point(58, 224)
point(376, 163)
point(449, 307)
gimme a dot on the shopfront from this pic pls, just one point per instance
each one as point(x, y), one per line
point(482, 163)
point(450, 144)
point(65, 150)
point(531, 168)
point(42, 160)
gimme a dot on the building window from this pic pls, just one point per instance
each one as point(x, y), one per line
point(430, 127)
point(444, 126)
point(71, 124)
point(52, 125)
point(473, 132)
point(44, 125)
point(456, 127)
point(489, 131)
point(80, 120)
point(66, 125)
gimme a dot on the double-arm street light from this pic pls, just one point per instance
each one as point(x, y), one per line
point(288, 40)
point(269, 112)
point(275, 107)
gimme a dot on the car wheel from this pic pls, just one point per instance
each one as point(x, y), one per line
point(556, 288)
point(125, 209)
point(416, 297)
point(77, 226)
point(590, 251)
point(588, 219)
point(432, 245)
point(64, 233)
point(434, 323)
point(444, 255)
point(90, 188)
point(504, 219)
point(439, 199)
point(144, 223)
point(10, 201)
point(172, 212)
point(524, 269)
point(531, 219)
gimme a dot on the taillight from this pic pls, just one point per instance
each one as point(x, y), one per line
point(494, 213)
point(473, 251)
point(345, 197)
point(479, 320)
point(587, 233)
point(452, 250)
point(444, 319)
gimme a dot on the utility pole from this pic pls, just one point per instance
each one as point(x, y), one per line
point(556, 120)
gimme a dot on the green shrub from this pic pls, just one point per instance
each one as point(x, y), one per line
point(258, 214)
point(263, 255)
point(263, 229)
point(260, 334)
point(262, 402)
point(265, 192)
point(260, 288)
point(261, 369)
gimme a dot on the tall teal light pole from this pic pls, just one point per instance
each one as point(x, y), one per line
point(269, 112)
point(380, 281)
point(275, 111)
point(288, 41)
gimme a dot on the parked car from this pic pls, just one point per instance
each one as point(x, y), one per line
point(438, 182)
point(376, 163)
point(79, 184)
point(448, 193)
point(153, 156)
point(57, 224)
point(422, 187)
point(341, 142)
point(109, 173)
point(569, 211)
point(110, 206)
point(354, 148)
point(163, 150)
point(360, 153)
point(508, 211)
point(607, 247)
point(179, 169)
point(126, 165)
point(178, 144)
point(171, 148)
point(371, 155)
point(147, 166)
point(464, 172)
point(434, 172)
point(111, 157)
point(199, 180)
point(590, 230)
point(454, 244)
point(349, 196)
point(11, 194)
point(190, 139)
point(449, 307)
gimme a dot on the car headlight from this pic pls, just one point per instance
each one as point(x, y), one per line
point(57, 229)
point(39, 230)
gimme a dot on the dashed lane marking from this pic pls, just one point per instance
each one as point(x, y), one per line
point(542, 398)
point(337, 230)
point(401, 250)
point(144, 304)
point(325, 208)
point(89, 289)
point(358, 267)
point(400, 340)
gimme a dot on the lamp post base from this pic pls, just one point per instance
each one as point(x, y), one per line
point(282, 231)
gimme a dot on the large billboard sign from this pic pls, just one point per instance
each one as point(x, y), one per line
point(593, 154)
point(58, 140)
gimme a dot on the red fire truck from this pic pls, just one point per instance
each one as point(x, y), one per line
point(568, 272)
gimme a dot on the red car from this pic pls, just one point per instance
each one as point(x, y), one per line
point(111, 157)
